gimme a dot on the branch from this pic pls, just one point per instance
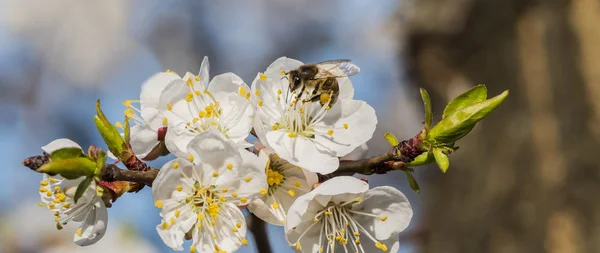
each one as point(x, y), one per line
point(259, 231)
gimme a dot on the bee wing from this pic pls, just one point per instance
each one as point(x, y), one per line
point(336, 68)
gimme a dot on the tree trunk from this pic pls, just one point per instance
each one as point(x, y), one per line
point(526, 179)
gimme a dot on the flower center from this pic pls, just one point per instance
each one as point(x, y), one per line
point(274, 178)
point(338, 228)
point(299, 118)
point(63, 206)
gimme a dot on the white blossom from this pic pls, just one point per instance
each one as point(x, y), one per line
point(192, 105)
point(286, 182)
point(343, 215)
point(57, 195)
point(199, 194)
point(309, 135)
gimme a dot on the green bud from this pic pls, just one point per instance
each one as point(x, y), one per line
point(412, 182)
point(459, 123)
point(82, 188)
point(126, 130)
point(70, 168)
point(474, 95)
point(422, 159)
point(441, 159)
point(391, 138)
point(66, 153)
point(427, 105)
point(113, 139)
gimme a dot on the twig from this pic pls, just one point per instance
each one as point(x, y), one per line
point(259, 230)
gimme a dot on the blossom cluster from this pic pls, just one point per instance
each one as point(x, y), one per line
point(216, 173)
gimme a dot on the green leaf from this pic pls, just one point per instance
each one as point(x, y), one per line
point(474, 95)
point(460, 123)
point(66, 153)
point(391, 138)
point(412, 181)
point(111, 135)
point(427, 105)
point(82, 188)
point(100, 161)
point(71, 168)
point(441, 159)
point(422, 159)
point(126, 130)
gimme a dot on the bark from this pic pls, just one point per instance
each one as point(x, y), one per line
point(526, 178)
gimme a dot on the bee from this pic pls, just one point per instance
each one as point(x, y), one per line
point(319, 80)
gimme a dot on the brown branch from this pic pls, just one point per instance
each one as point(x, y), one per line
point(259, 230)
point(111, 173)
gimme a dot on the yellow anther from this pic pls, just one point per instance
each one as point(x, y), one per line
point(198, 93)
point(229, 166)
point(359, 199)
point(242, 91)
point(44, 183)
point(345, 126)
point(297, 184)
point(244, 242)
point(169, 107)
point(328, 213)
point(235, 230)
point(248, 179)
point(238, 225)
point(263, 76)
point(263, 191)
point(195, 120)
point(327, 107)
point(243, 200)
point(191, 158)
point(168, 70)
point(356, 234)
point(197, 78)
point(165, 225)
point(52, 180)
point(177, 213)
point(200, 216)
point(384, 247)
point(192, 249)
point(292, 135)
point(330, 132)
point(42, 189)
point(199, 225)
point(158, 204)
point(201, 114)
point(209, 200)
point(338, 238)
point(56, 188)
point(189, 82)
point(119, 125)
point(57, 219)
point(378, 245)
point(275, 205)
point(67, 205)
point(179, 188)
point(165, 121)
point(257, 92)
point(222, 199)
point(275, 127)
point(224, 190)
point(48, 194)
point(357, 241)
point(248, 96)
point(172, 221)
point(234, 195)
point(321, 249)
point(213, 123)
point(383, 218)
point(175, 165)
point(189, 97)
point(316, 220)
point(260, 102)
point(79, 232)
point(279, 91)
point(51, 206)
point(298, 246)
point(292, 193)
point(129, 113)
point(215, 174)
point(325, 98)
point(281, 72)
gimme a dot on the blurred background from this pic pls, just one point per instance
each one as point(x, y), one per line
point(525, 179)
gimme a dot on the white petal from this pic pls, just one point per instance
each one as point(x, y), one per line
point(204, 73)
point(227, 240)
point(151, 91)
point(94, 226)
point(143, 139)
point(60, 144)
point(237, 116)
point(357, 153)
point(177, 140)
point(169, 176)
point(262, 210)
point(211, 147)
point(227, 83)
point(361, 122)
point(245, 179)
point(282, 63)
point(346, 88)
point(175, 94)
point(301, 152)
point(385, 201)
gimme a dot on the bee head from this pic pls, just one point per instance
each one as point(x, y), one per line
point(294, 79)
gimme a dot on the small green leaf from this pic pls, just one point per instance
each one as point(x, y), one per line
point(66, 153)
point(460, 123)
point(441, 159)
point(422, 159)
point(71, 168)
point(427, 105)
point(472, 96)
point(391, 138)
point(111, 135)
point(412, 181)
point(100, 161)
point(82, 188)
point(126, 130)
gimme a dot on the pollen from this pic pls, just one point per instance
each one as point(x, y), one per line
point(158, 204)
point(292, 135)
point(242, 91)
point(297, 184)
point(263, 77)
point(175, 165)
point(173, 221)
point(292, 192)
point(243, 200)
point(257, 92)
point(234, 195)
point(179, 188)
point(248, 96)
point(359, 199)
point(244, 242)
point(44, 183)
point(177, 213)
point(168, 70)
point(235, 230)
point(198, 93)
point(229, 166)
point(279, 91)
point(281, 72)
point(316, 220)
point(238, 225)
point(224, 190)
point(275, 205)
point(42, 189)
point(330, 132)
point(215, 174)
point(79, 233)
point(345, 126)
point(52, 180)
point(260, 102)
point(189, 97)
point(119, 125)
point(248, 179)
point(263, 191)
point(275, 127)
point(165, 121)
point(197, 78)
point(191, 158)
point(48, 194)
point(129, 113)
point(189, 82)
point(192, 249)
point(383, 218)
point(298, 246)
point(328, 213)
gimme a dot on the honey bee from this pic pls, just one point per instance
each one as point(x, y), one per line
point(319, 81)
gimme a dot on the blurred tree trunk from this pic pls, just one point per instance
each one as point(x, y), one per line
point(526, 179)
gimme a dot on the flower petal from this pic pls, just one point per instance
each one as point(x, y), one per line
point(169, 176)
point(282, 63)
point(151, 91)
point(358, 153)
point(94, 226)
point(211, 147)
point(177, 140)
point(301, 152)
point(385, 201)
point(262, 210)
point(346, 88)
point(60, 144)
point(143, 139)
point(204, 74)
